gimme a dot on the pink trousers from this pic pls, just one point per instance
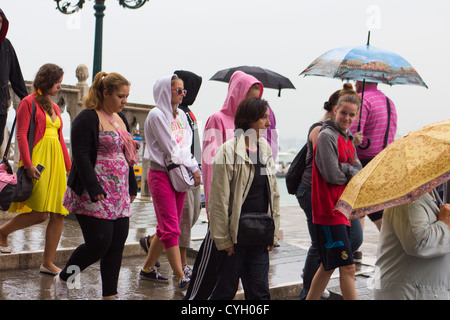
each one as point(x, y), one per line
point(168, 205)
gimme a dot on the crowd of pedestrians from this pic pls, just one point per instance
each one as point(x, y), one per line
point(235, 164)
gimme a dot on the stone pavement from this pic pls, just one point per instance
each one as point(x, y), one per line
point(20, 279)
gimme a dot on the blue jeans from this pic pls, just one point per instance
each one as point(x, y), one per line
point(312, 261)
point(251, 264)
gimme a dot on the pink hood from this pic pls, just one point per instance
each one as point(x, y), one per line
point(220, 126)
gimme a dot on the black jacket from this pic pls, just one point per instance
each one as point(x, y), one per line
point(84, 146)
point(9, 69)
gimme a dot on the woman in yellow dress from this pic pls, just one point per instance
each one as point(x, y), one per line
point(50, 151)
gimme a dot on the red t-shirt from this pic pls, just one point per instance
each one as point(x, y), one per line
point(325, 195)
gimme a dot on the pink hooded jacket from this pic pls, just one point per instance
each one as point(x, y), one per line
point(220, 126)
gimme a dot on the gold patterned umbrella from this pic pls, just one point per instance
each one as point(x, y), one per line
point(402, 172)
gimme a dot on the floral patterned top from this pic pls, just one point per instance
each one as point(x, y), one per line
point(111, 169)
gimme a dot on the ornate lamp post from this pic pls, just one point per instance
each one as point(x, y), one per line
point(69, 7)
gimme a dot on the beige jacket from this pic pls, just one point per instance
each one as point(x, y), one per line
point(232, 176)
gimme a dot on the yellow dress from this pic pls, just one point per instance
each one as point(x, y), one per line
point(48, 191)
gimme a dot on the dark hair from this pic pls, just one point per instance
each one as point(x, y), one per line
point(45, 78)
point(332, 101)
point(249, 110)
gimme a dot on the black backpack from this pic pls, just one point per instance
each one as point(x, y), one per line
point(298, 165)
point(295, 172)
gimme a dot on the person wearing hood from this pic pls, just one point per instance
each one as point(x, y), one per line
point(191, 209)
point(168, 135)
point(219, 128)
point(192, 204)
point(9, 71)
point(334, 163)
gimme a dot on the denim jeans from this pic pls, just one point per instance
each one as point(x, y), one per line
point(251, 264)
point(312, 261)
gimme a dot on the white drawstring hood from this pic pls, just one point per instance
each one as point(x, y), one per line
point(166, 136)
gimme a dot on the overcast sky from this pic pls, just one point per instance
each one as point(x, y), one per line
point(204, 36)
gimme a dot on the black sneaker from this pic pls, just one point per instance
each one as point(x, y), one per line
point(145, 245)
point(153, 275)
point(183, 283)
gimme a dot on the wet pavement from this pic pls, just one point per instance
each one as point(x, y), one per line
point(20, 278)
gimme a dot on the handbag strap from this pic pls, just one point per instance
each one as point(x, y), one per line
point(8, 145)
point(267, 177)
point(111, 120)
point(30, 134)
point(268, 193)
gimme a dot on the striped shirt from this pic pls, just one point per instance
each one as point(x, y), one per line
point(374, 122)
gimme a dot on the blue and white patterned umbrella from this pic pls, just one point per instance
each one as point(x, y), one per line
point(364, 63)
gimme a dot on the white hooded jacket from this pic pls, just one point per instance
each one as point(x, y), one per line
point(166, 136)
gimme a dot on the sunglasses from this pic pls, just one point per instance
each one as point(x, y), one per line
point(180, 91)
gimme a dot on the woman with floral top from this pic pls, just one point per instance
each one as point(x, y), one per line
point(101, 184)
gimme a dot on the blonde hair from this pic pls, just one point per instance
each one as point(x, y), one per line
point(103, 81)
point(347, 94)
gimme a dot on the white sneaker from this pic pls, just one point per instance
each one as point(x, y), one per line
point(61, 289)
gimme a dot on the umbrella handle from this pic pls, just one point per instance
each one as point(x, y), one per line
point(365, 147)
point(360, 109)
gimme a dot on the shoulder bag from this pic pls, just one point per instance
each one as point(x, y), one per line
point(24, 184)
point(16, 187)
point(180, 177)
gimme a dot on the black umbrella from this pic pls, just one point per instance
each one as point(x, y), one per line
point(268, 78)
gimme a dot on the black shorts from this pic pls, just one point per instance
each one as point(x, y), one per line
point(334, 245)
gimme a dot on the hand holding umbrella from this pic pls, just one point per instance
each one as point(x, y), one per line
point(402, 172)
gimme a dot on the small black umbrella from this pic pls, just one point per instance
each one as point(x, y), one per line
point(268, 78)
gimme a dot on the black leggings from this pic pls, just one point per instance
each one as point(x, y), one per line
point(104, 240)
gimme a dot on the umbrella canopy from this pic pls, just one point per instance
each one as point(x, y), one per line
point(365, 63)
point(402, 172)
point(268, 78)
